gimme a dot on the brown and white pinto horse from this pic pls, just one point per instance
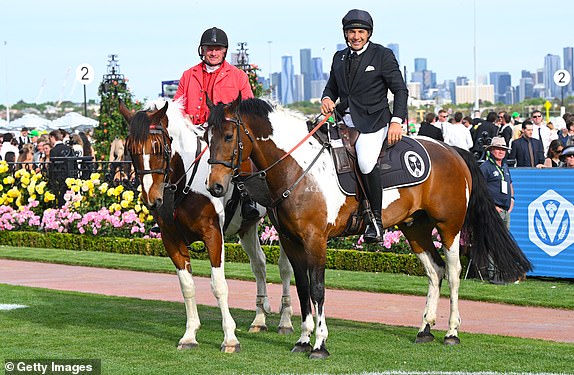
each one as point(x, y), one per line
point(172, 168)
point(309, 208)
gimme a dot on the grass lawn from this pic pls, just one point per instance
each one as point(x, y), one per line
point(532, 292)
point(133, 336)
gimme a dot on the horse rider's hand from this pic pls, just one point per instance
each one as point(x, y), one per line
point(327, 106)
point(395, 133)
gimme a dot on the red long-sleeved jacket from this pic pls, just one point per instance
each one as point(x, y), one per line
point(230, 81)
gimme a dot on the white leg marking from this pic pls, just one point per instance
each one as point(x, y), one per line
point(252, 247)
point(434, 273)
point(221, 293)
point(192, 324)
point(307, 327)
point(453, 273)
point(285, 271)
point(322, 332)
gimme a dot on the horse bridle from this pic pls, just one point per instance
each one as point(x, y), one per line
point(158, 129)
point(238, 150)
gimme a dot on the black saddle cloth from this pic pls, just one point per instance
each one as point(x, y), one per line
point(406, 163)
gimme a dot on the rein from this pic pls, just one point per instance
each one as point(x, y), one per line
point(263, 173)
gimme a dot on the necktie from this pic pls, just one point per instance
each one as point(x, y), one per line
point(531, 153)
point(353, 64)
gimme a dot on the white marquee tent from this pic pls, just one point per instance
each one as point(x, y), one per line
point(30, 121)
point(73, 121)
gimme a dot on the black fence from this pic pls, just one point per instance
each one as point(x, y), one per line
point(58, 169)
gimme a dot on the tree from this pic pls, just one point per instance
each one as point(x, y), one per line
point(112, 89)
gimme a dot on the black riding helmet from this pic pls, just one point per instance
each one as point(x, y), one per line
point(212, 37)
point(358, 19)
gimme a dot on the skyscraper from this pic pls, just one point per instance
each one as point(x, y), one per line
point(551, 65)
point(502, 83)
point(569, 66)
point(287, 80)
point(306, 71)
point(395, 48)
point(318, 81)
point(420, 64)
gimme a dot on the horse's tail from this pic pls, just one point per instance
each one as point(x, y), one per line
point(490, 241)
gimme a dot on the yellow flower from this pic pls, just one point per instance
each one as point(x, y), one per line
point(137, 208)
point(124, 204)
point(94, 176)
point(77, 204)
point(25, 180)
point(48, 197)
point(19, 202)
point(14, 192)
point(1, 187)
point(3, 199)
point(150, 218)
point(75, 188)
point(18, 173)
point(103, 188)
point(118, 190)
point(8, 180)
point(3, 166)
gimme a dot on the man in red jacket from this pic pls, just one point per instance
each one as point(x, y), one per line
point(222, 82)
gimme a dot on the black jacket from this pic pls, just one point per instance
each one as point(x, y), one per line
point(429, 130)
point(378, 72)
point(521, 154)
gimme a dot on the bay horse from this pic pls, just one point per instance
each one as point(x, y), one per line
point(170, 160)
point(308, 208)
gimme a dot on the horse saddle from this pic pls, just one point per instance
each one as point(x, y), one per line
point(404, 164)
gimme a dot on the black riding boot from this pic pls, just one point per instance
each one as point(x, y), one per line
point(374, 192)
point(249, 209)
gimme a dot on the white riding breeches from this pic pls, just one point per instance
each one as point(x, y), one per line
point(368, 146)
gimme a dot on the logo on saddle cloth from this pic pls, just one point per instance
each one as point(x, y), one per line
point(549, 223)
point(405, 164)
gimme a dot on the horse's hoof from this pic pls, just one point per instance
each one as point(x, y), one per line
point(187, 346)
point(231, 348)
point(451, 340)
point(301, 348)
point(321, 353)
point(257, 329)
point(285, 330)
point(424, 337)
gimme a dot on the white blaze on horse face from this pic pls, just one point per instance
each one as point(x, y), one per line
point(147, 179)
point(290, 128)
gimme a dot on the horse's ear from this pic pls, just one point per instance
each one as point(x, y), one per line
point(156, 118)
point(234, 104)
point(125, 112)
point(210, 104)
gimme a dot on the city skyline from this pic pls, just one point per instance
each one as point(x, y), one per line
point(41, 44)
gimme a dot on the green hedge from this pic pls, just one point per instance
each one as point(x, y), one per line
point(350, 260)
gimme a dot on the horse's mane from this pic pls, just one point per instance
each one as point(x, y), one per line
point(248, 108)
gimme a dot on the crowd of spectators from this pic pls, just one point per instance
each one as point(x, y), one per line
point(531, 142)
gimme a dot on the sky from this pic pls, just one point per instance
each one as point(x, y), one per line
point(43, 42)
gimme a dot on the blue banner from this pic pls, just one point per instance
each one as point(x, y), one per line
point(542, 219)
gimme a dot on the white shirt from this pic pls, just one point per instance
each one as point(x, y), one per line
point(7, 147)
point(458, 135)
point(544, 134)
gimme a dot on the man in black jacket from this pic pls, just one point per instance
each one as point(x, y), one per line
point(527, 151)
point(360, 77)
point(427, 128)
